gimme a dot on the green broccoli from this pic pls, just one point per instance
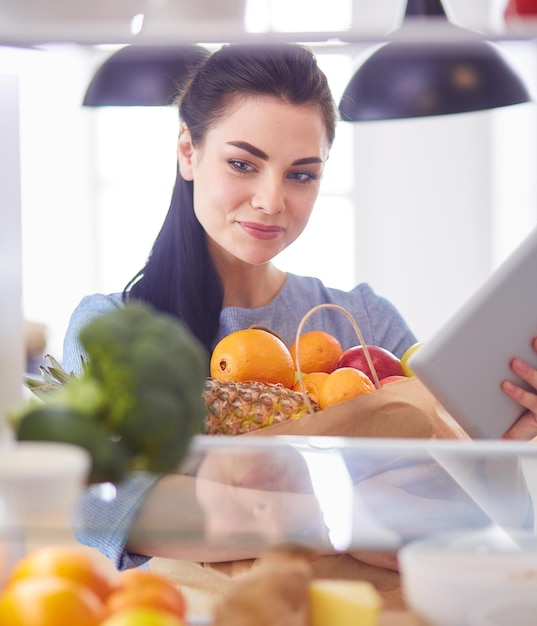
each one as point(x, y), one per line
point(137, 403)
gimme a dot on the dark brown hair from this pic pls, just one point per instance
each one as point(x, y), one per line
point(180, 277)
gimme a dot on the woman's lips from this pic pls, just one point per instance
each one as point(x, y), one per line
point(260, 231)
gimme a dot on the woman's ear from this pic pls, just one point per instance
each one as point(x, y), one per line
point(185, 152)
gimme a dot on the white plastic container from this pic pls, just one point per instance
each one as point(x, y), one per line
point(39, 485)
point(506, 613)
point(447, 578)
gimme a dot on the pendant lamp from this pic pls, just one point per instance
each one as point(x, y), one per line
point(139, 75)
point(405, 78)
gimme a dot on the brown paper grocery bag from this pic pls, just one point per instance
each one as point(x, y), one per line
point(403, 409)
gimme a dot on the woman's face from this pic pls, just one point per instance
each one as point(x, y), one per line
point(256, 176)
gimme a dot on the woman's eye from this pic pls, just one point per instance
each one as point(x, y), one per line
point(303, 177)
point(241, 166)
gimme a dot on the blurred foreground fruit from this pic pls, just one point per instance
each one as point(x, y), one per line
point(343, 384)
point(252, 354)
point(64, 562)
point(343, 603)
point(141, 616)
point(141, 588)
point(318, 351)
point(49, 601)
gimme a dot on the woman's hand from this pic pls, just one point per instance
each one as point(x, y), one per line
point(526, 426)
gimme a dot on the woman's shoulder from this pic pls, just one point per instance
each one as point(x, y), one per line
point(97, 304)
point(88, 309)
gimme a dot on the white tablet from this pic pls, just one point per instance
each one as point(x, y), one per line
point(464, 363)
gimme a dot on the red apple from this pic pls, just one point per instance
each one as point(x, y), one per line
point(385, 363)
point(391, 379)
point(520, 7)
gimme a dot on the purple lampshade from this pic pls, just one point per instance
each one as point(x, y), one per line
point(404, 79)
point(140, 75)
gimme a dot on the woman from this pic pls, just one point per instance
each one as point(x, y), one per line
point(526, 426)
point(257, 125)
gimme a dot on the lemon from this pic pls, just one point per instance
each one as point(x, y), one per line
point(406, 356)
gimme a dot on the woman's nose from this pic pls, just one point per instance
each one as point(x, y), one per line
point(269, 196)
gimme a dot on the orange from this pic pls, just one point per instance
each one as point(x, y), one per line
point(65, 561)
point(253, 354)
point(135, 588)
point(142, 616)
point(312, 384)
point(343, 384)
point(319, 351)
point(49, 601)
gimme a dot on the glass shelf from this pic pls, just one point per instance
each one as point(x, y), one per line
point(246, 494)
point(31, 24)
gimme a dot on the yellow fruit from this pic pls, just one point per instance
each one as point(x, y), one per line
point(142, 588)
point(343, 602)
point(253, 354)
point(67, 562)
point(49, 601)
point(142, 616)
point(343, 384)
point(406, 356)
point(318, 351)
point(312, 384)
point(236, 408)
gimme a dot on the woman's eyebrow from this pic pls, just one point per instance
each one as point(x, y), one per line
point(244, 145)
point(307, 161)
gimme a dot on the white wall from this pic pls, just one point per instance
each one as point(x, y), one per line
point(58, 246)
point(430, 199)
point(11, 345)
point(440, 202)
point(433, 199)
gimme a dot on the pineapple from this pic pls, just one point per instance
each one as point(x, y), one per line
point(239, 407)
point(232, 407)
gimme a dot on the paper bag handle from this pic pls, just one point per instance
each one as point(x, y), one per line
point(358, 332)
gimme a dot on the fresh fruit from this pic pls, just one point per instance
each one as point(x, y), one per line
point(65, 562)
point(343, 602)
point(49, 601)
point(406, 356)
point(234, 408)
point(516, 8)
point(142, 616)
point(319, 351)
point(312, 384)
point(137, 588)
point(253, 354)
point(390, 379)
point(385, 363)
point(343, 384)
